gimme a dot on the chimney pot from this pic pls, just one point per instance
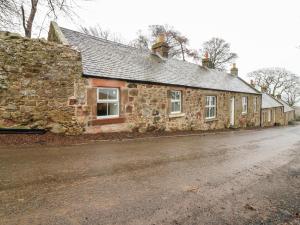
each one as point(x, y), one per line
point(206, 61)
point(264, 89)
point(234, 71)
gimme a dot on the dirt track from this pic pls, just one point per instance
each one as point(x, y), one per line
point(244, 177)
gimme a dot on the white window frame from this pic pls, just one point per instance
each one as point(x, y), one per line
point(209, 106)
point(175, 101)
point(108, 101)
point(269, 115)
point(255, 104)
point(244, 105)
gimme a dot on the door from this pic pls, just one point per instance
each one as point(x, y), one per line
point(232, 112)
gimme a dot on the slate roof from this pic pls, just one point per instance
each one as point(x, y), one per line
point(106, 59)
point(286, 107)
point(269, 102)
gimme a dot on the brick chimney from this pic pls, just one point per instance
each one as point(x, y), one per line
point(234, 71)
point(206, 61)
point(161, 47)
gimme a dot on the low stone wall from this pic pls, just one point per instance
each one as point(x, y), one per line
point(37, 80)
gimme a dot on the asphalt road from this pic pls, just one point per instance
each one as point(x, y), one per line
point(237, 177)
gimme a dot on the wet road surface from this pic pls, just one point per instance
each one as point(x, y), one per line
point(237, 177)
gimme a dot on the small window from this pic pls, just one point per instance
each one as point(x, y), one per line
point(255, 104)
point(175, 101)
point(210, 107)
point(245, 105)
point(107, 102)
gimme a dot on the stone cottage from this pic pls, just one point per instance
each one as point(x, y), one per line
point(289, 112)
point(272, 112)
point(75, 83)
point(129, 89)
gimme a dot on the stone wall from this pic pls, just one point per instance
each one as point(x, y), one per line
point(277, 117)
point(37, 80)
point(288, 117)
point(297, 113)
point(146, 107)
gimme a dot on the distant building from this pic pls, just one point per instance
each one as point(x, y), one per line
point(272, 111)
point(289, 112)
point(297, 112)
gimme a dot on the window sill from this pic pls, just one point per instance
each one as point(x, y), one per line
point(106, 121)
point(175, 115)
point(211, 120)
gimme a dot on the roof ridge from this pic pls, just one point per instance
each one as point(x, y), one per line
point(107, 41)
point(139, 49)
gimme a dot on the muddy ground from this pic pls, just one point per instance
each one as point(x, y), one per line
point(238, 177)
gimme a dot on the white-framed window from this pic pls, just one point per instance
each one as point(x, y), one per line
point(269, 115)
point(107, 102)
point(210, 107)
point(244, 104)
point(175, 101)
point(255, 104)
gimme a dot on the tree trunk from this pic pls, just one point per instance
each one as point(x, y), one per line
point(28, 25)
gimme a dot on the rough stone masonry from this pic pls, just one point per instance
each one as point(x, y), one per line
point(37, 80)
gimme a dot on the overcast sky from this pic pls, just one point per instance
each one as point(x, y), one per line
point(264, 33)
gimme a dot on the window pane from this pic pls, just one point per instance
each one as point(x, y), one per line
point(113, 109)
point(172, 95)
point(213, 100)
point(206, 112)
point(207, 101)
point(112, 94)
point(102, 94)
point(102, 109)
point(175, 95)
point(212, 112)
point(175, 107)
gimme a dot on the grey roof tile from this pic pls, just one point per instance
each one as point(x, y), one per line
point(269, 102)
point(287, 108)
point(108, 59)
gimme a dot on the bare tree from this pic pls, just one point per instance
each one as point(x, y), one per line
point(28, 9)
point(98, 31)
point(141, 42)
point(8, 10)
point(278, 81)
point(178, 43)
point(292, 91)
point(219, 53)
